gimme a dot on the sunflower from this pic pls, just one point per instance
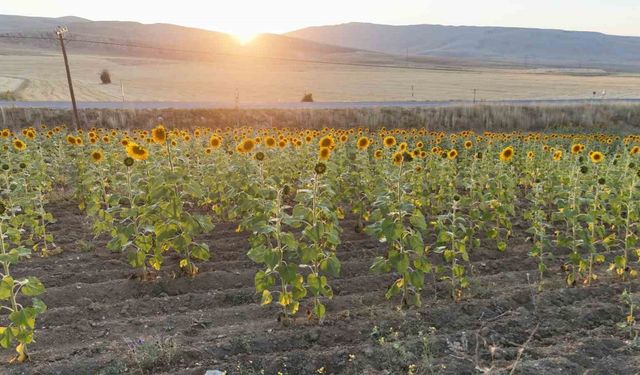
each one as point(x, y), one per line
point(635, 150)
point(398, 158)
point(389, 141)
point(246, 145)
point(270, 142)
point(320, 168)
point(557, 155)
point(402, 146)
point(19, 144)
point(79, 141)
point(324, 153)
point(128, 161)
point(215, 141)
point(326, 142)
point(452, 154)
point(159, 134)
point(377, 154)
point(363, 143)
point(137, 152)
point(97, 156)
point(596, 157)
point(282, 143)
point(531, 154)
point(577, 148)
point(507, 153)
point(71, 140)
point(468, 144)
point(30, 133)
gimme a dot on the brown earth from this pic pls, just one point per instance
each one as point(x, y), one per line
point(100, 320)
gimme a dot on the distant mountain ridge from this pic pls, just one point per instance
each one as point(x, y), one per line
point(507, 44)
point(158, 35)
point(426, 45)
point(13, 24)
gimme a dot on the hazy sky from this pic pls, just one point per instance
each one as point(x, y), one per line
point(245, 17)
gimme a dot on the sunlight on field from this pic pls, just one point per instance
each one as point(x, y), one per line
point(259, 80)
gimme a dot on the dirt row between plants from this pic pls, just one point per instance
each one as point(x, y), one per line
point(101, 320)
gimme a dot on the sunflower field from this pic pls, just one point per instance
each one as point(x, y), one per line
point(429, 198)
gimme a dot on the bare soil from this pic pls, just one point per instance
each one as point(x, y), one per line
point(101, 320)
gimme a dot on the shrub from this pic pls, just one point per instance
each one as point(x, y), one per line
point(105, 77)
point(8, 96)
point(307, 98)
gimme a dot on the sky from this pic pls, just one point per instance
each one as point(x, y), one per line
point(245, 18)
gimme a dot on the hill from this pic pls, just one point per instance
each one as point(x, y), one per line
point(159, 36)
point(533, 47)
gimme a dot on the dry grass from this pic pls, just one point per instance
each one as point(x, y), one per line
point(583, 118)
point(270, 81)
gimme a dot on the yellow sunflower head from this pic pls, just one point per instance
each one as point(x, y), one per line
point(215, 141)
point(576, 148)
point(398, 158)
point(389, 141)
point(326, 142)
point(363, 143)
point(596, 157)
point(557, 155)
point(507, 153)
point(19, 145)
point(452, 154)
point(324, 153)
point(270, 142)
point(97, 156)
point(246, 145)
point(137, 152)
point(159, 134)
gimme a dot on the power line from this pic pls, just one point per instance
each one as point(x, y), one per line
point(288, 59)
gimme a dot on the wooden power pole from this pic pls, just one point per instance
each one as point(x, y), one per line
point(60, 31)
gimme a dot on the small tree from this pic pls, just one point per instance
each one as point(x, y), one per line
point(307, 98)
point(105, 77)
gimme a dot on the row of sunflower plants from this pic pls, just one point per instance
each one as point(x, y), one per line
point(146, 203)
point(23, 221)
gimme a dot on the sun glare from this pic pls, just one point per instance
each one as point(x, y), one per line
point(245, 37)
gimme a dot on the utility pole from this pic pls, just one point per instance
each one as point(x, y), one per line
point(60, 31)
point(122, 90)
point(474, 95)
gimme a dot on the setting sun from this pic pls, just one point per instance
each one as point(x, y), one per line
point(245, 37)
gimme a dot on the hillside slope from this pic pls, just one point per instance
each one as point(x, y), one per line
point(516, 45)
